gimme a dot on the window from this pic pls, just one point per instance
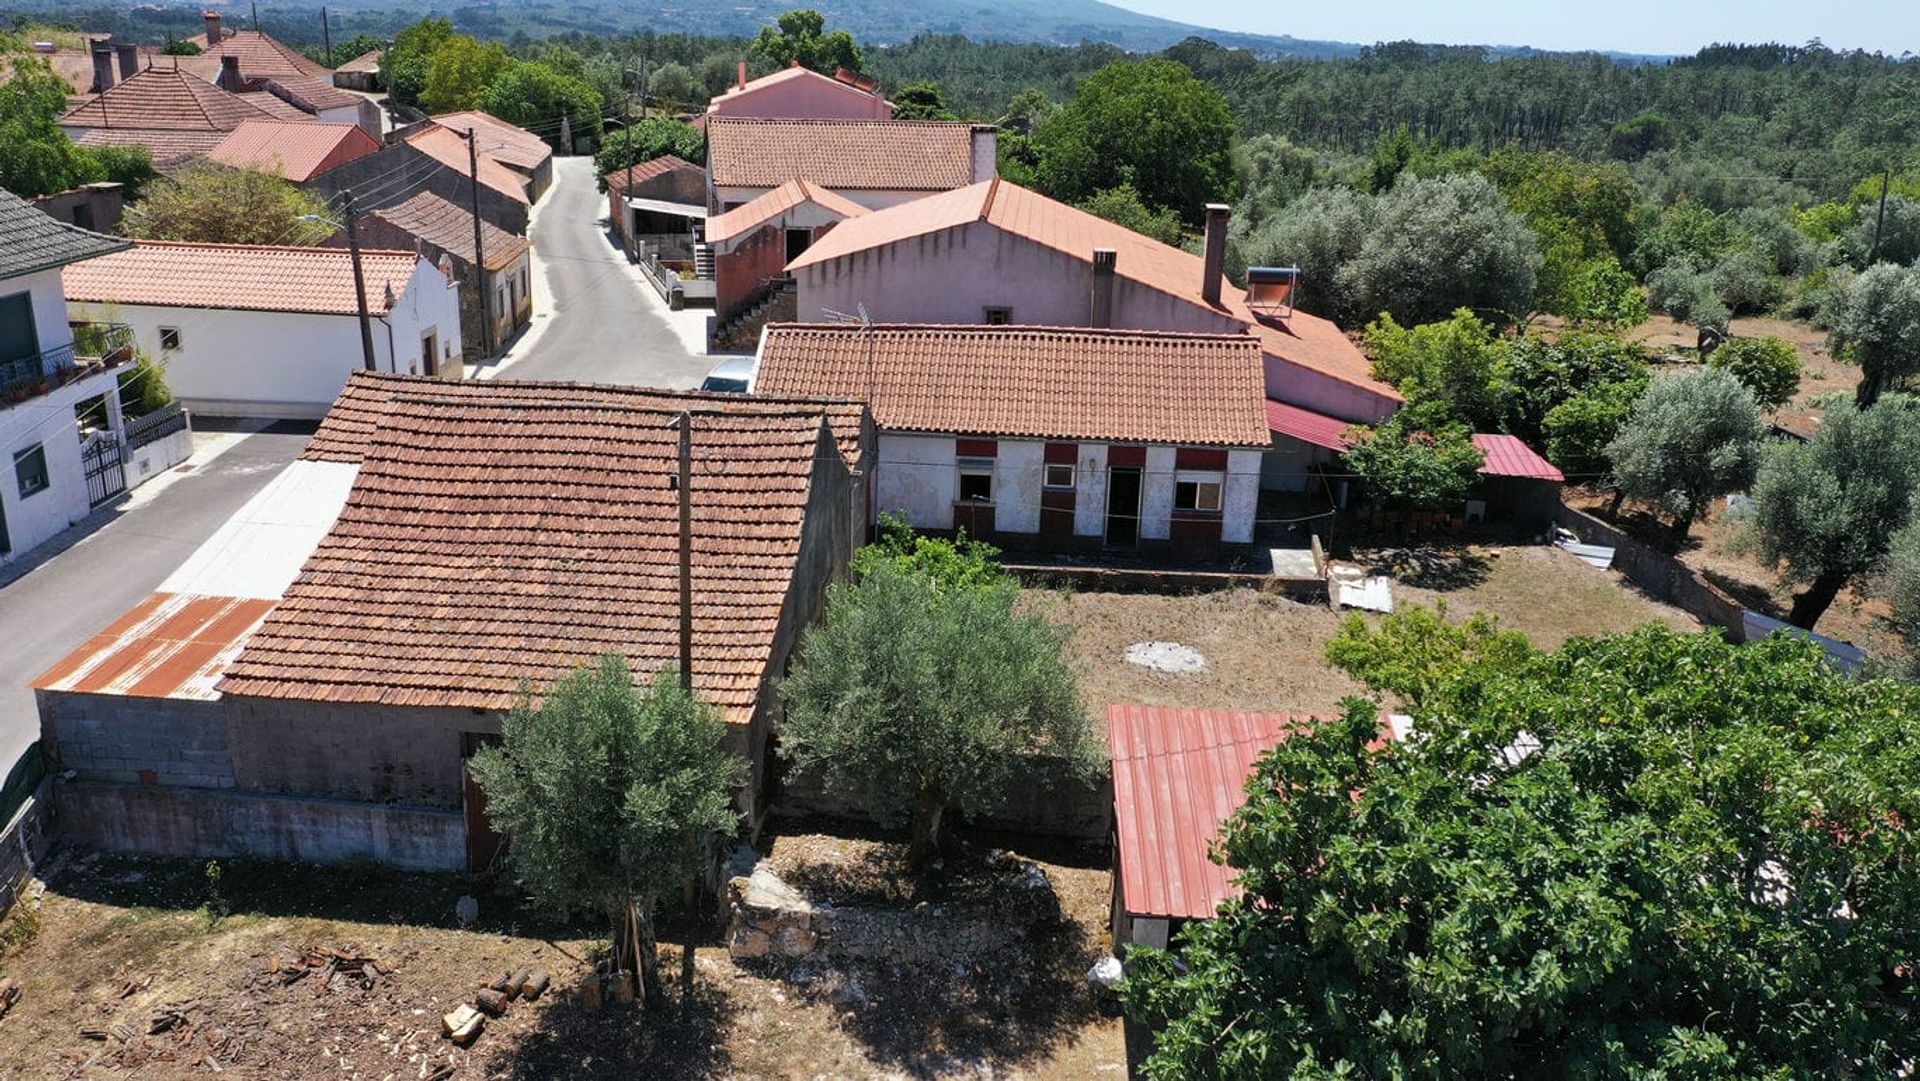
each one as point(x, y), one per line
point(1197, 495)
point(169, 337)
point(997, 317)
point(1059, 476)
point(976, 486)
point(30, 468)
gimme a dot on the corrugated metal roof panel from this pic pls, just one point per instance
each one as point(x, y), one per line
point(171, 645)
point(1177, 774)
point(1307, 426)
point(1508, 456)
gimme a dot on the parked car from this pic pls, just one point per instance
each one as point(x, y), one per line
point(733, 375)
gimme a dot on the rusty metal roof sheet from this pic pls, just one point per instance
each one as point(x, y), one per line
point(1177, 774)
point(171, 645)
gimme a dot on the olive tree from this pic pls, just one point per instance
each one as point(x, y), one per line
point(924, 688)
point(1827, 510)
point(1657, 855)
point(1876, 324)
point(599, 786)
point(1770, 367)
point(1689, 440)
point(1903, 591)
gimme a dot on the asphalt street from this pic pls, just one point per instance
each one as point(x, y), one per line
point(595, 323)
point(116, 560)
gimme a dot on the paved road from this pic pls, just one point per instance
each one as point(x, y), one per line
point(594, 324)
point(53, 608)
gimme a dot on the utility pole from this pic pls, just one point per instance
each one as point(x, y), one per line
point(326, 35)
point(359, 286)
point(1880, 219)
point(691, 888)
point(626, 211)
point(479, 253)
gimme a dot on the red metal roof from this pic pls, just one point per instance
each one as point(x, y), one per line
point(1177, 774)
point(1507, 456)
point(171, 645)
point(1307, 425)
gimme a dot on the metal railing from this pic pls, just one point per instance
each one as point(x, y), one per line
point(157, 425)
point(94, 346)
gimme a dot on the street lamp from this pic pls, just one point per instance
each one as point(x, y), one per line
point(359, 277)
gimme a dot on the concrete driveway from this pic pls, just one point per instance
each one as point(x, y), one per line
point(113, 560)
point(595, 318)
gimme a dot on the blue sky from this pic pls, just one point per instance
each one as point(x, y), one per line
point(1639, 26)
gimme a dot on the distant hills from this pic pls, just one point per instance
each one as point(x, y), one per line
point(1055, 22)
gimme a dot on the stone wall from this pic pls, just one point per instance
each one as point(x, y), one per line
point(157, 821)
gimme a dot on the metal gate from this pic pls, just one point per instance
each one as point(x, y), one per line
point(106, 477)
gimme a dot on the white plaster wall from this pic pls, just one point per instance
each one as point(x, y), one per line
point(1017, 481)
point(952, 275)
point(1308, 389)
point(1240, 501)
point(915, 476)
point(1156, 493)
point(277, 364)
point(1090, 492)
point(49, 421)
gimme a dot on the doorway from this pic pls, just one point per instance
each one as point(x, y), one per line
point(430, 352)
point(1123, 507)
point(484, 843)
point(798, 241)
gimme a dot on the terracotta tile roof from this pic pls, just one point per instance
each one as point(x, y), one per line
point(1307, 425)
point(165, 99)
point(32, 241)
point(449, 227)
point(362, 406)
point(239, 276)
point(751, 215)
point(449, 148)
point(365, 62)
point(1125, 386)
point(259, 55)
point(314, 92)
point(488, 546)
point(1509, 456)
point(277, 107)
point(1306, 340)
point(508, 144)
point(795, 73)
point(294, 151)
point(857, 155)
point(1177, 774)
point(646, 170)
point(167, 147)
point(170, 645)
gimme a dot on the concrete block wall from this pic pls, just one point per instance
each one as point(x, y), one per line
point(152, 820)
point(163, 741)
point(353, 751)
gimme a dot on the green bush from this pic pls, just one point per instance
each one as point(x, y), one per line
point(1769, 367)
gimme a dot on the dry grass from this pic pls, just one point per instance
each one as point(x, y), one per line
point(120, 939)
point(1266, 653)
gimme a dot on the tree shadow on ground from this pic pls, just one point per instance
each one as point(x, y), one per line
point(1441, 568)
point(967, 966)
point(674, 1043)
point(1750, 594)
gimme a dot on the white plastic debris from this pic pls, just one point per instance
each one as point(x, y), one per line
point(467, 909)
point(1166, 657)
point(1106, 972)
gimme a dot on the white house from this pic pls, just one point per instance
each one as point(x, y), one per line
point(60, 421)
point(246, 330)
point(1048, 438)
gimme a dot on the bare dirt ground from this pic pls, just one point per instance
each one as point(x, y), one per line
point(1821, 374)
point(119, 948)
point(1266, 652)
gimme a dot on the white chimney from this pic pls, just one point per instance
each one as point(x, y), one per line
point(986, 152)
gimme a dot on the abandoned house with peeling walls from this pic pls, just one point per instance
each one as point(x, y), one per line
point(310, 682)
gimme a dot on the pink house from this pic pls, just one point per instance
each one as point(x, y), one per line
point(995, 252)
point(752, 244)
point(875, 163)
point(798, 93)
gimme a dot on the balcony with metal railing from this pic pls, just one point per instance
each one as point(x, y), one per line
point(95, 347)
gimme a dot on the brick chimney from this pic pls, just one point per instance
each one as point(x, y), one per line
point(743, 75)
point(212, 19)
point(230, 74)
point(1103, 265)
point(1215, 260)
point(102, 67)
point(986, 152)
point(129, 59)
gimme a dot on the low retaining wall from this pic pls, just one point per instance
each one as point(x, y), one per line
point(24, 842)
point(1661, 575)
point(1042, 798)
point(155, 820)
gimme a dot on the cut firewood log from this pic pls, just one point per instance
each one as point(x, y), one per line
point(502, 982)
point(493, 1003)
point(535, 984)
point(463, 1024)
point(9, 994)
point(589, 991)
point(515, 983)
